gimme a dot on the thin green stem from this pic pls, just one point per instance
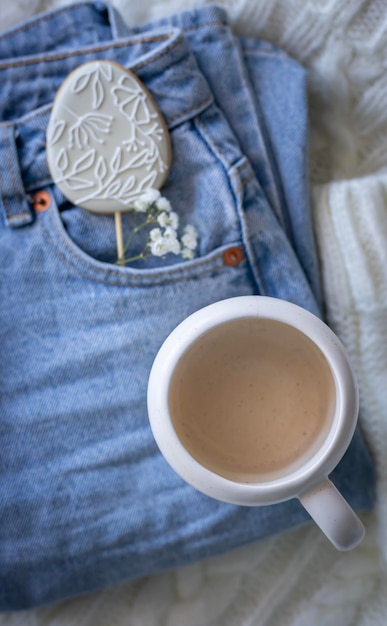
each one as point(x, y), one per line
point(135, 230)
point(153, 212)
point(137, 257)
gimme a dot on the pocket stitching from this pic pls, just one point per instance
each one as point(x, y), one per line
point(168, 276)
point(170, 273)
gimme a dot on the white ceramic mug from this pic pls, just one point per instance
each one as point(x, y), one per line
point(309, 481)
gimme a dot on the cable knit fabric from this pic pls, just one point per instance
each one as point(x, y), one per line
point(296, 579)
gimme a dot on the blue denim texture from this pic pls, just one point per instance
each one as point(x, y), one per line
point(263, 94)
point(86, 499)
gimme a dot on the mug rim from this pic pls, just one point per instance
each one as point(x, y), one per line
point(285, 486)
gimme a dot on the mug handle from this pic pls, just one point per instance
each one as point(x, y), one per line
point(333, 515)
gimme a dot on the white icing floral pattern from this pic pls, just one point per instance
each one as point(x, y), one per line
point(106, 141)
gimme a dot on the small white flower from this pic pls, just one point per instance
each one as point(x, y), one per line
point(190, 237)
point(150, 196)
point(170, 237)
point(163, 204)
point(171, 219)
point(186, 253)
point(163, 219)
point(174, 220)
point(173, 246)
point(140, 206)
point(169, 232)
point(155, 234)
point(163, 239)
point(162, 242)
point(159, 247)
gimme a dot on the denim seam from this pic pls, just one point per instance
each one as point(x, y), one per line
point(236, 189)
point(222, 158)
point(244, 225)
point(204, 104)
point(172, 45)
point(45, 182)
point(106, 46)
point(7, 205)
point(243, 182)
point(241, 179)
point(127, 280)
point(214, 146)
point(273, 178)
point(258, 276)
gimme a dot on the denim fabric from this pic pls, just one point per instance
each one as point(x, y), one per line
point(263, 95)
point(86, 499)
point(283, 115)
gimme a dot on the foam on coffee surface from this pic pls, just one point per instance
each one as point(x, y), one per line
point(252, 399)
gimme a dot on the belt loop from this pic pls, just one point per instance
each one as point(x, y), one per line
point(13, 200)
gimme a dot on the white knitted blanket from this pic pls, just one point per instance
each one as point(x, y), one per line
point(296, 579)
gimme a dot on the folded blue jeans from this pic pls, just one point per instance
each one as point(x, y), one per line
point(86, 499)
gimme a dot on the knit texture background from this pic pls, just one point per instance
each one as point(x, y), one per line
point(296, 579)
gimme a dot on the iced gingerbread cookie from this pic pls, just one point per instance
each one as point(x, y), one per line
point(107, 142)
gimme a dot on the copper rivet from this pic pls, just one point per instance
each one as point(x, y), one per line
point(41, 201)
point(233, 256)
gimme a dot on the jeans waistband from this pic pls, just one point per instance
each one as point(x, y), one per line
point(28, 83)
